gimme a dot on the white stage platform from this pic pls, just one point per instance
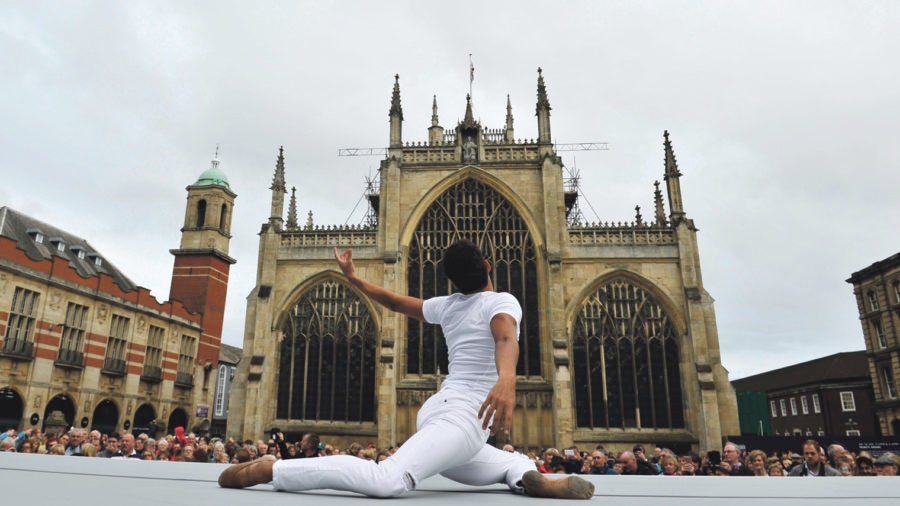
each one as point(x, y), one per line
point(81, 481)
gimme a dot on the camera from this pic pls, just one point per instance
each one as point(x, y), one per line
point(715, 458)
point(274, 434)
point(569, 452)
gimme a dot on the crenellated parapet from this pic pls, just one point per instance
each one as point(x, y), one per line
point(331, 235)
point(522, 151)
point(630, 234)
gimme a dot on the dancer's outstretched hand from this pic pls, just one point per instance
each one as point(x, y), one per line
point(345, 261)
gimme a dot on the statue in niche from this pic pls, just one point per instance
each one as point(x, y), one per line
point(55, 298)
point(102, 311)
point(470, 150)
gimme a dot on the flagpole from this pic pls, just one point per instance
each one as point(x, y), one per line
point(471, 74)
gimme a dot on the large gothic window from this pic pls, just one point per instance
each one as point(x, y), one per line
point(472, 210)
point(327, 367)
point(625, 351)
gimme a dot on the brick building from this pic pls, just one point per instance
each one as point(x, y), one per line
point(828, 396)
point(84, 346)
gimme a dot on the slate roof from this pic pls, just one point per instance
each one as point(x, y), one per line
point(848, 365)
point(230, 354)
point(22, 229)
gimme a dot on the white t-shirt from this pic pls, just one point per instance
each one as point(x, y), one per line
point(466, 322)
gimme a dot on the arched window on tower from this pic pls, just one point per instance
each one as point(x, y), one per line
point(475, 211)
point(201, 213)
point(625, 351)
point(223, 215)
point(327, 365)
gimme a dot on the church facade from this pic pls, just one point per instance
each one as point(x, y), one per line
point(618, 341)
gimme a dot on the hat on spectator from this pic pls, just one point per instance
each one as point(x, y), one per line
point(887, 459)
point(796, 456)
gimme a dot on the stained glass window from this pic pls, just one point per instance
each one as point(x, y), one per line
point(327, 368)
point(475, 211)
point(625, 355)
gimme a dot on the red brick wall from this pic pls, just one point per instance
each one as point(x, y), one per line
point(200, 283)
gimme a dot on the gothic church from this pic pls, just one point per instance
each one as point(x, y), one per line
point(618, 341)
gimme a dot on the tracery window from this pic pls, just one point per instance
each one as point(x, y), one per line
point(625, 351)
point(327, 364)
point(475, 211)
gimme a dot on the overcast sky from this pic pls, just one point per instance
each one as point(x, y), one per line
point(784, 117)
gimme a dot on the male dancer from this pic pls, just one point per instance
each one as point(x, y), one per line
point(481, 328)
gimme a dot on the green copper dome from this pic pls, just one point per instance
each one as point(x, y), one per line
point(213, 176)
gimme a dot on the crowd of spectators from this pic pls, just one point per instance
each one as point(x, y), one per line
point(731, 461)
point(814, 460)
point(177, 447)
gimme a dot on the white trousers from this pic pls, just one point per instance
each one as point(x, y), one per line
point(449, 441)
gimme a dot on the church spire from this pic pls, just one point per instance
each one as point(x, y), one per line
point(469, 119)
point(434, 114)
point(673, 183)
point(509, 135)
point(292, 210)
point(658, 200)
point(543, 111)
point(396, 115)
point(278, 191)
point(435, 131)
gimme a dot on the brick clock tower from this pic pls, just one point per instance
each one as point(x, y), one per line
point(200, 274)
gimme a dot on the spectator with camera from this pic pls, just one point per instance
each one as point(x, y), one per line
point(309, 446)
point(731, 464)
point(688, 464)
point(572, 462)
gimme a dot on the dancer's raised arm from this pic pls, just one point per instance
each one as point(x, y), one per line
point(404, 304)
